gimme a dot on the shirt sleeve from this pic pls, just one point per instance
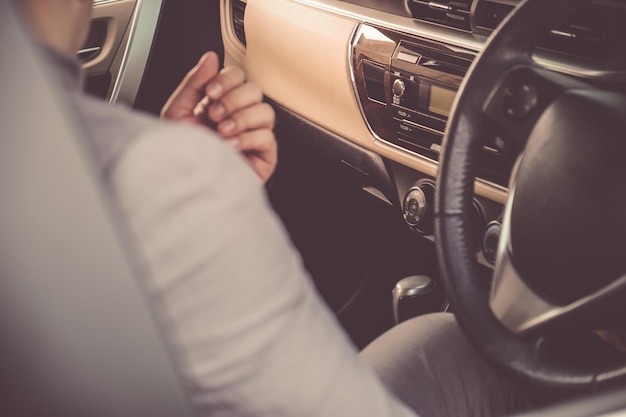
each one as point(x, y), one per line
point(250, 334)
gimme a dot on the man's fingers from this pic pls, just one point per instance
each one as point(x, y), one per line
point(227, 79)
point(191, 90)
point(258, 116)
point(197, 78)
point(201, 107)
point(242, 97)
point(260, 141)
point(259, 148)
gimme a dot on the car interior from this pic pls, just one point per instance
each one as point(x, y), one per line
point(447, 155)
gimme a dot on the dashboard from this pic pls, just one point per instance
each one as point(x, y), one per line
point(383, 75)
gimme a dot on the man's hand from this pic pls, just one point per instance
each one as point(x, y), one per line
point(224, 101)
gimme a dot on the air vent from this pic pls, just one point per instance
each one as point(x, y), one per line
point(374, 75)
point(238, 13)
point(450, 13)
point(596, 32)
point(489, 14)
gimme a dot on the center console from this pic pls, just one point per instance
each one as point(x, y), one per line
point(406, 87)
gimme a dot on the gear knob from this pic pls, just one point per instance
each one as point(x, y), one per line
point(413, 296)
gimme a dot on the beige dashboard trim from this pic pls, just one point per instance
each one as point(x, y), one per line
point(290, 42)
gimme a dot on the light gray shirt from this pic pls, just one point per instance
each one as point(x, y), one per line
point(250, 334)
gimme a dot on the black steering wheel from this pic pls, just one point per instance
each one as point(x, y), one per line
point(561, 260)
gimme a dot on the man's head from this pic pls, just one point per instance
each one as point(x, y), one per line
point(60, 24)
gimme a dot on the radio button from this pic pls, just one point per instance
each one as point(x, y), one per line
point(398, 88)
point(402, 114)
point(404, 90)
point(413, 128)
point(408, 129)
point(405, 114)
point(416, 135)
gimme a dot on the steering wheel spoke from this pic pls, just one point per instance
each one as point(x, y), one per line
point(522, 310)
point(514, 304)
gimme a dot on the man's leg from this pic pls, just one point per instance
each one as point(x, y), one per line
point(429, 364)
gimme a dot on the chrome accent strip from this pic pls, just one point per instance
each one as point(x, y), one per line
point(358, 32)
point(99, 2)
point(578, 69)
point(439, 6)
point(86, 51)
point(136, 52)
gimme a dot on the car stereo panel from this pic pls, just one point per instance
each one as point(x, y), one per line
point(406, 86)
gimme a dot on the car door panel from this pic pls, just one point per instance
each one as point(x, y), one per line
point(116, 53)
point(109, 25)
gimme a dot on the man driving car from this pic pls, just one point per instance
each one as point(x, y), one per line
point(203, 229)
point(250, 333)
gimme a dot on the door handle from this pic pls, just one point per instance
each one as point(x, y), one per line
point(87, 54)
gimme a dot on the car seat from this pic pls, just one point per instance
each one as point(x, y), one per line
point(77, 337)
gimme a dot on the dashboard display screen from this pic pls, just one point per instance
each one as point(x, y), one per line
point(441, 100)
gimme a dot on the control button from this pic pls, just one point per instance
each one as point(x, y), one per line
point(415, 206)
point(520, 98)
point(491, 239)
point(504, 147)
point(420, 132)
point(500, 147)
point(418, 207)
point(408, 129)
point(401, 113)
point(398, 88)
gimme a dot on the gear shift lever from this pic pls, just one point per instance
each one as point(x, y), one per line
point(413, 296)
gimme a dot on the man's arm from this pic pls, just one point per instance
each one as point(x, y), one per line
point(252, 336)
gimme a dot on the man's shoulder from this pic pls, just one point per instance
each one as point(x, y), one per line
point(170, 160)
point(114, 128)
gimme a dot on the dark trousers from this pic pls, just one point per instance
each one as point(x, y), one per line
point(429, 364)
